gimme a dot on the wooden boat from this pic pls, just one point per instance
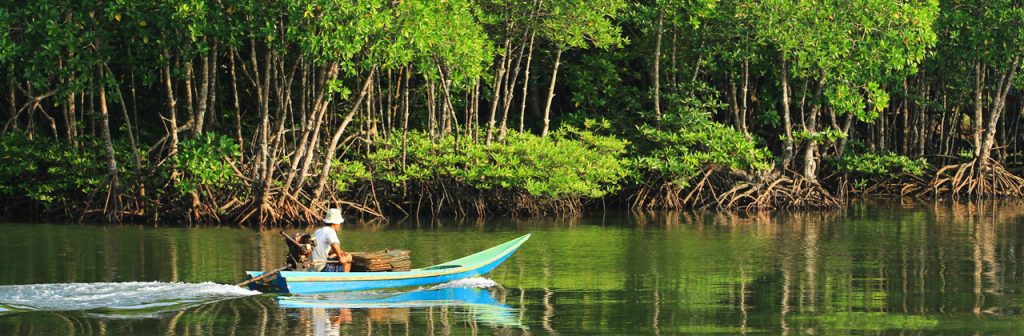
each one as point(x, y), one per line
point(324, 282)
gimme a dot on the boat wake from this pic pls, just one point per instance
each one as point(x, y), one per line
point(474, 282)
point(116, 298)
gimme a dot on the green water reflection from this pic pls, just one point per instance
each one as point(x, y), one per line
point(886, 268)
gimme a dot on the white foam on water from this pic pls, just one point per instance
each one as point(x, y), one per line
point(474, 282)
point(114, 295)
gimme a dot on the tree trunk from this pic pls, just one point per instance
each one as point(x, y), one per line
point(311, 134)
point(326, 170)
point(905, 113)
point(551, 92)
point(744, 99)
point(204, 93)
point(734, 101)
point(131, 139)
point(502, 69)
point(431, 97)
point(923, 128)
point(405, 115)
point(998, 106)
point(238, 108)
point(211, 106)
point(509, 86)
point(656, 72)
point(811, 152)
point(112, 212)
point(453, 121)
point(846, 129)
point(72, 116)
point(263, 162)
point(881, 133)
point(979, 84)
point(526, 83)
point(787, 120)
point(190, 105)
point(172, 106)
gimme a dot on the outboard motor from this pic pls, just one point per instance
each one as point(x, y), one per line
point(300, 250)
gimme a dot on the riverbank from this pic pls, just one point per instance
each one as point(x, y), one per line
point(568, 173)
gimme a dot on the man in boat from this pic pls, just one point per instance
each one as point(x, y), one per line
point(327, 254)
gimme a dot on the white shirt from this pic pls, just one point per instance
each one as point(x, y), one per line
point(325, 236)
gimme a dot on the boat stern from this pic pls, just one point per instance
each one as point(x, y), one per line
point(272, 284)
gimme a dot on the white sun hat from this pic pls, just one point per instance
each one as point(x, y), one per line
point(334, 216)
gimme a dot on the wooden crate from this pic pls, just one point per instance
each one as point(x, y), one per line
point(381, 261)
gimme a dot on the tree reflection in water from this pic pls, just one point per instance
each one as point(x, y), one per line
point(875, 268)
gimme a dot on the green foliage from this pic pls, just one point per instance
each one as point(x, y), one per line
point(844, 58)
point(847, 98)
point(826, 135)
point(582, 24)
point(203, 161)
point(346, 173)
point(986, 31)
point(853, 45)
point(571, 163)
point(687, 140)
point(6, 44)
point(871, 165)
point(447, 32)
point(600, 84)
point(333, 30)
point(50, 173)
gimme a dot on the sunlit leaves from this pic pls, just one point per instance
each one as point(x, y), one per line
point(688, 141)
point(582, 24)
point(853, 44)
point(431, 34)
point(336, 30)
point(546, 167)
point(881, 165)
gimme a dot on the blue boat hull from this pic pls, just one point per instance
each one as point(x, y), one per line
point(325, 282)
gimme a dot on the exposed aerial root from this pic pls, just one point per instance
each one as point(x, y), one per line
point(897, 187)
point(781, 192)
point(730, 190)
point(445, 197)
point(972, 180)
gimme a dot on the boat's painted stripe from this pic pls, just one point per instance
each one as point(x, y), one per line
point(292, 277)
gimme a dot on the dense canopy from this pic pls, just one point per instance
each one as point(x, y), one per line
point(267, 112)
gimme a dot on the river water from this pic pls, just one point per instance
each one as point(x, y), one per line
point(882, 268)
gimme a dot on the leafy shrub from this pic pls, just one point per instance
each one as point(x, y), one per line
point(687, 140)
point(887, 165)
point(203, 161)
point(346, 173)
point(48, 172)
point(571, 163)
